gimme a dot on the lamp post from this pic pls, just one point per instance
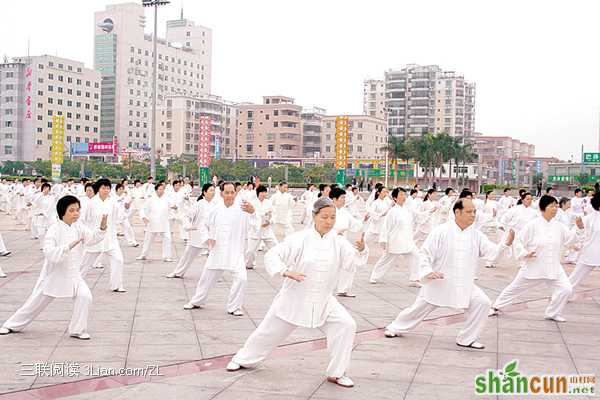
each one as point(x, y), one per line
point(155, 4)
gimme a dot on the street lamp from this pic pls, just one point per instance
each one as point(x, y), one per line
point(155, 4)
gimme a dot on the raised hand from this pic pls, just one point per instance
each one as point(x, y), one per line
point(247, 207)
point(296, 276)
point(434, 275)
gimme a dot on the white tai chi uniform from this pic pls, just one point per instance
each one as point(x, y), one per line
point(427, 218)
point(228, 227)
point(195, 224)
point(124, 214)
point(377, 211)
point(283, 204)
point(445, 208)
point(504, 204)
point(345, 222)
point(547, 239)
point(60, 277)
point(397, 234)
point(156, 210)
point(178, 199)
point(589, 256)
point(42, 215)
point(308, 304)
point(455, 253)
point(264, 211)
point(109, 246)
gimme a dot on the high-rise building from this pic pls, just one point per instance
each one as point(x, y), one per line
point(504, 160)
point(311, 131)
point(178, 125)
point(422, 99)
point(123, 54)
point(271, 130)
point(374, 98)
point(32, 90)
point(367, 137)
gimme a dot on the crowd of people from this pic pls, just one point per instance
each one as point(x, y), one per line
point(438, 241)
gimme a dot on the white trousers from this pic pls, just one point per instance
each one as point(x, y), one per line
point(562, 290)
point(388, 259)
point(253, 245)
point(115, 259)
point(2, 245)
point(579, 273)
point(128, 232)
point(39, 226)
point(476, 317)
point(183, 234)
point(339, 327)
point(166, 243)
point(189, 254)
point(282, 230)
point(209, 279)
point(38, 301)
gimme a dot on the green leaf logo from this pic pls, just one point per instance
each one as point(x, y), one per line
point(509, 369)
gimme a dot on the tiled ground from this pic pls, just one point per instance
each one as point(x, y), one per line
point(147, 325)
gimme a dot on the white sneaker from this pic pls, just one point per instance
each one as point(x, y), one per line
point(372, 281)
point(489, 265)
point(173, 275)
point(558, 318)
point(190, 306)
point(233, 366)
point(416, 284)
point(5, 331)
point(3, 275)
point(167, 260)
point(140, 258)
point(343, 381)
point(81, 336)
point(120, 290)
point(237, 313)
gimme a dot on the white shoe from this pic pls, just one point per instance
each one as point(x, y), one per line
point(81, 336)
point(6, 253)
point(98, 266)
point(167, 260)
point(120, 290)
point(237, 313)
point(372, 281)
point(3, 275)
point(190, 306)
point(558, 318)
point(343, 381)
point(474, 345)
point(416, 284)
point(140, 258)
point(173, 275)
point(489, 265)
point(134, 244)
point(204, 252)
point(5, 331)
point(390, 334)
point(233, 366)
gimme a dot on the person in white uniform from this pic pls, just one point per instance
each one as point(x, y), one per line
point(376, 211)
point(60, 276)
point(397, 241)
point(108, 248)
point(589, 255)
point(124, 201)
point(539, 246)
point(309, 261)
point(42, 213)
point(155, 215)
point(262, 232)
point(448, 261)
point(283, 204)
point(504, 203)
point(228, 226)
point(3, 253)
point(445, 205)
point(196, 225)
point(345, 223)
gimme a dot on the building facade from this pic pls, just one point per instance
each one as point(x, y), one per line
point(272, 130)
point(123, 54)
point(422, 99)
point(311, 131)
point(367, 137)
point(178, 126)
point(374, 98)
point(32, 90)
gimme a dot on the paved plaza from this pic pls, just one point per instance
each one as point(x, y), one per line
point(147, 326)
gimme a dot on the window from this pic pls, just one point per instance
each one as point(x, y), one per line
point(360, 125)
point(249, 148)
point(7, 149)
point(275, 112)
point(275, 124)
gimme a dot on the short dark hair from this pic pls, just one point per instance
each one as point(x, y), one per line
point(45, 185)
point(322, 187)
point(225, 183)
point(487, 194)
point(448, 190)
point(282, 183)
point(87, 185)
point(429, 193)
point(175, 182)
point(464, 194)
point(237, 184)
point(101, 182)
point(506, 190)
point(413, 191)
point(336, 193)
point(458, 205)
point(577, 190)
point(563, 201)
point(158, 185)
point(397, 191)
point(136, 181)
point(525, 194)
point(521, 191)
point(118, 186)
point(545, 201)
point(548, 189)
point(64, 203)
point(596, 202)
point(205, 188)
point(150, 178)
point(378, 185)
point(261, 188)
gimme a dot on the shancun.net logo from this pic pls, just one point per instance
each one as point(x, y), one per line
point(509, 381)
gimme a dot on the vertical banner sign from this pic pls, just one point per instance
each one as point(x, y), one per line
point(341, 148)
point(115, 148)
point(204, 149)
point(58, 145)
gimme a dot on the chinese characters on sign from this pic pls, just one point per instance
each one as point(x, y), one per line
point(58, 145)
point(204, 148)
point(75, 369)
point(341, 148)
point(28, 73)
point(591, 158)
point(101, 147)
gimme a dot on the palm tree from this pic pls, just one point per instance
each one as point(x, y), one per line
point(397, 148)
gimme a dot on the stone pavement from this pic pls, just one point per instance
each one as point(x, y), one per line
point(148, 326)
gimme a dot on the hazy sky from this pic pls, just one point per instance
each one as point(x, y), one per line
point(536, 63)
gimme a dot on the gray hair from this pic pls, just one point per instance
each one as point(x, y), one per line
point(322, 203)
